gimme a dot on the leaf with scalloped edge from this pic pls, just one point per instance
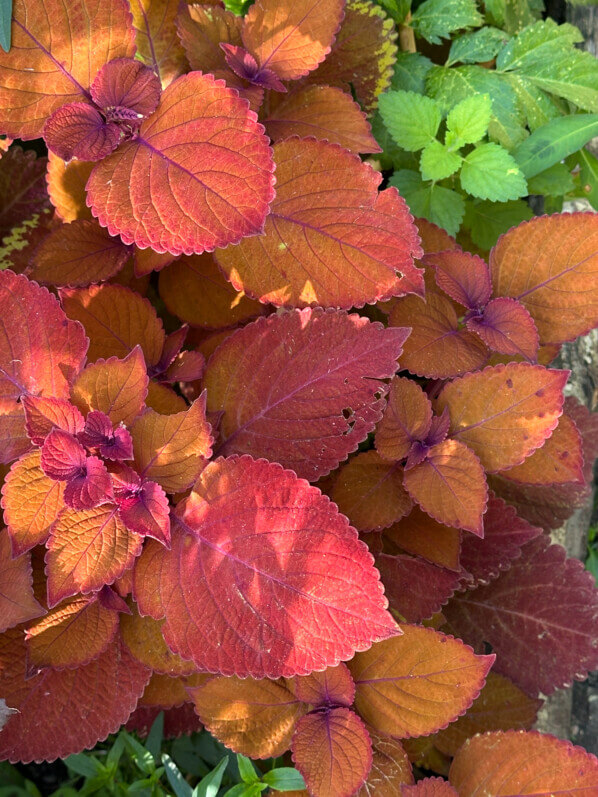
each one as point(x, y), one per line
point(17, 601)
point(187, 188)
point(55, 53)
point(264, 578)
point(505, 412)
point(450, 486)
point(31, 502)
point(78, 254)
point(364, 54)
point(302, 388)
point(291, 39)
point(23, 191)
point(87, 549)
point(332, 687)
point(522, 763)
point(390, 768)
point(194, 289)
point(333, 751)
point(13, 435)
point(325, 112)
point(506, 327)
point(462, 276)
point(255, 718)
point(436, 347)
point(115, 387)
point(44, 414)
point(330, 238)
point(549, 265)
point(415, 684)
point(407, 417)
point(116, 319)
point(54, 720)
point(416, 589)
point(420, 534)
point(540, 618)
point(143, 638)
point(66, 187)
point(156, 39)
point(172, 449)
point(501, 706)
point(429, 787)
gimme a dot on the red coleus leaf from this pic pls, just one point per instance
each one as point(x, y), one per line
point(126, 91)
point(419, 534)
point(17, 602)
point(330, 237)
point(67, 45)
point(44, 414)
point(415, 589)
point(390, 768)
point(506, 327)
point(91, 487)
point(522, 763)
point(156, 39)
point(245, 66)
point(185, 188)
point(53, 720)
point(63, 457)
point(430, 787)
point(333, 751)
point(542, 604)
point(111, 443)
point(407, 417)
point(322, 395)
point(142, 505)
point(464, 277)
point(23, 189)
point(78, 130)
point(236, 592)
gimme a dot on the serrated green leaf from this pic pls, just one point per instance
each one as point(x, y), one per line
point(437, 162)
point(284, 779)
point(392, 156)
point(179, 785)
point(477, 47)
point(486, 221)
point(589, 176)
point(554, 141)
point(397, 9)
point(411, 119)
point(84, 764)
point(469, 120)
point(555, 181)
point(5, 24)
point(489, 172)
point(440, 205)
point(410, 72)
point(435, 20)
point(210, 784)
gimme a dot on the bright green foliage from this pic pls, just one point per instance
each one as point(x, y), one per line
point(477, 47)
point(489, 172)
point(554, 141)
point(435, 20)
point(438, 162)
point(442, 206)
point(468, 121)
point(412, 119)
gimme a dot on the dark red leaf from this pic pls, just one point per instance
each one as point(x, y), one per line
point(464, 277)
point(506, 327)
point(63, 457)
point(415, 589)
point(90, 488)
point(78, 130)
point(112, 443)
point(23, 189)
point(126, 85)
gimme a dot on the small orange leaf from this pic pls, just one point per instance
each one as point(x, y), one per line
point(333, 686)
point(201, 28)
point(143, 638)
point(416, 683)
point(407, 417)
point(17, 602)
point(166, 691)
point(390, 768)
point(156, 38)
point(163, 399)
point(419, 534)
point(66, 187)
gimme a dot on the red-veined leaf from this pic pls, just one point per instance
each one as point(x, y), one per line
point(506, 327)
point(142, 505)
point(66, 187)
point(187, 188)
point(23, 189)
point(156, 39)
point(415, 589)
point(429, 787)
point(302, 388)
point(242, 596)
point(407, 417)
point(419, 534)
point(78, 130)
point(332, 687)
point(111, 443)
point(44, 414)
point(143, 638)
point(333, 751)
point(126, 90)
point(390, 768)
point(415, 684)
point(462, 276)
point(17, 602)
point(331, 238)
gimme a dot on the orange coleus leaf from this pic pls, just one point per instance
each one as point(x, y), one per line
point(434, 238)
point(522, 763)
point(415, 589)
point(333, 752)
point(390, 768)
point(504, 412)
point(17, 602)
point(436, 347)
point(407, 417)
point(116, 319)
point(172, 449)
point(55, 54)
point(264, 578)
point(31, 502)
point(77, 254)
point(429, 787)
point(117, 388)
point(166, 691)
point(291, 39)
point(415, 684)
point(194, 289)
point(87, 549)
point(198, 176)
point(163, 399)
point(255, 718)
point(419, 534)
point(66, 187)
point(156, 39)
point(146, 261)
point(303, 388)
point(333, 686)
point(324, 112)
point(548, 264)
point(143, 638)
point(62, 712)
point(369, 491)
point(331, 238)
point(450, 486)
point(500, 707)
point(13, 436)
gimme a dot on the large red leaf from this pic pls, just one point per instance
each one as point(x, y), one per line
point(56, 50)
point(390, 768)
point(331, 238)
point(303, 388)
point(505, 412)
point(17, 602)
point(63, 712)
point(22, 188)
point(264, 578)
point(156, 38)
point(198, 176)
point(333, 751)
point(417, 683)
point(522, 763)
point(540, 618)
point(44, 414)
point(506, 327)
point(415, 589)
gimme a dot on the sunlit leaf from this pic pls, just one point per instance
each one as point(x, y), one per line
point(17, 602)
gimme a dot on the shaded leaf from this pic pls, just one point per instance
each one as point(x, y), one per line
point(415, 589)
point(23, 189)
point(66, 187)
point(156, 38)
point(390, 768)
point(552, 142)
point(430, 787)
point(419, 534)
point(78, 130)
point(143, 638)
point(407, 417)
point(178, 721)
point(13, 435)
point(17, 602)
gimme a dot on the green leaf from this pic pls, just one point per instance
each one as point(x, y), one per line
point(592, 563)
point(589, 176)
point(284, 779)
point(435, 20)
point(397, 9)
point(410, 72)
point(5, 24)
point(554, 141)
point(239, 7)
point(537, 106)
point(210, 784)
point(477, 47)
point(412, 119)
point(115, 753)
point(246, 769)
point(142, 757)
point(179, 785)
point(486, 221)
point(437, 162)
point(489, 172)
point(84, 764)
point(440, 205)
point(153, 743)
point(392, 156)
point(469, 120)
point(246, 790)
point(555, 181)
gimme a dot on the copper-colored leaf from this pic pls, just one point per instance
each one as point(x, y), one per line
point(507, 327)
point(17, 602)
point(201, 29)
point(407, 417)
point(44, 414)
point(390, 768)
point(417, 683)
point(415, 589)
point(22, 187)
point(143, 637)
point(167, 691)
point(429, 787)
point(463, 276)
point(331, 238)
point(13, 436)
point(156, 39)
point(332, 687)
point(66, 186)
point(419, 534)
point(163, 399)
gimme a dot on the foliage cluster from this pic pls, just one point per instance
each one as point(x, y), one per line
point(297, 486)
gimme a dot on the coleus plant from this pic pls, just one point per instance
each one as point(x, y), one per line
point(218, 549)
